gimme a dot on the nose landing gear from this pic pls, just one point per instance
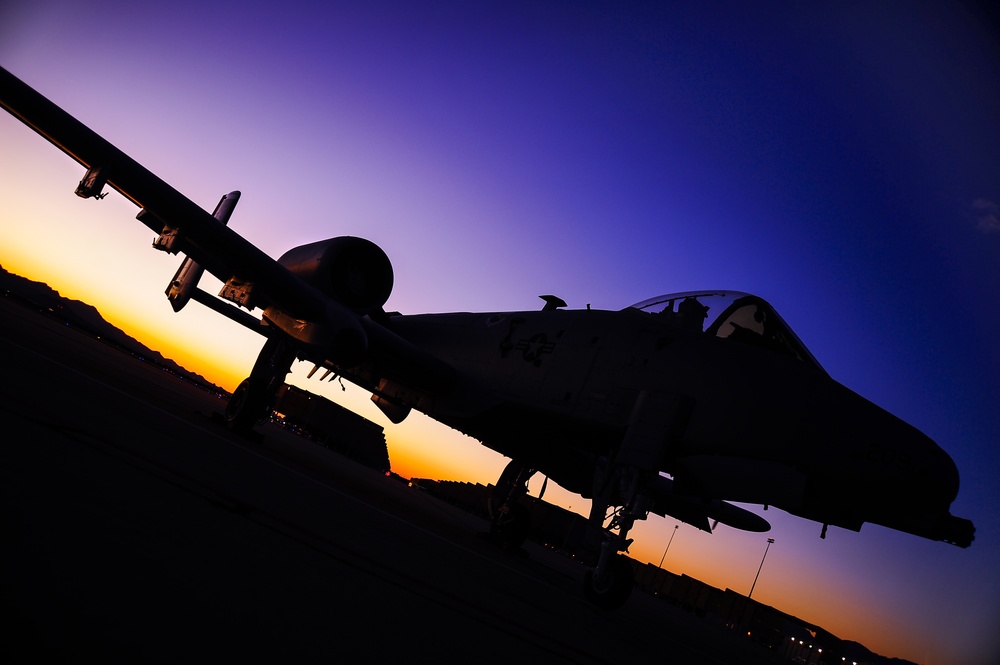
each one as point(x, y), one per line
point(610, 590)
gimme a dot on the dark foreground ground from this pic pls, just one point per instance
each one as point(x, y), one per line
point(136, 529)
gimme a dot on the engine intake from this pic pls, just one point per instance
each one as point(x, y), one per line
point(353, 271)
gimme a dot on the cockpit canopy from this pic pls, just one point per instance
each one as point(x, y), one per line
point(731, 315)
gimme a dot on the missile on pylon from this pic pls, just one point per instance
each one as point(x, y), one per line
point(185, 280)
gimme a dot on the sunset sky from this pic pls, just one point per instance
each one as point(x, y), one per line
point(840, 161)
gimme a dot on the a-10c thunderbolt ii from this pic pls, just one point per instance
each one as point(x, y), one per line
point(674, 406)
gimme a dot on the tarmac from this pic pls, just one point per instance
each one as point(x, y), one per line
point(136, 528)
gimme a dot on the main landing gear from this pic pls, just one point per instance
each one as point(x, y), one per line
point(254, 397)
point(609, 582)
point(509, 520)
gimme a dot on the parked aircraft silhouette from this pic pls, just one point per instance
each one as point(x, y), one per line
point(673, 406)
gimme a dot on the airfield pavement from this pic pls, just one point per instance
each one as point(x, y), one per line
point(135, 528)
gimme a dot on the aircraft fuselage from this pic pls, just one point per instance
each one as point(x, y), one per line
point(736, 418)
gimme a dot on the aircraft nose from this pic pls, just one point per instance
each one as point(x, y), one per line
point(902, 478)
point(909, 468)
point(942, 473)
point(930, 488)
point(930, 480)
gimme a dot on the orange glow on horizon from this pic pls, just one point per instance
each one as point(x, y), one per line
point(782, 584)
point(226, 375)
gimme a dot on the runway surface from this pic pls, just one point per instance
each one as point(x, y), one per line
point(137, 529)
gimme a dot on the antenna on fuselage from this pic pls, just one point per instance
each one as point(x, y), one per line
point(552, 302)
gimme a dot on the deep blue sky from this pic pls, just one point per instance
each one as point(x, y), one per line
point(841, 161)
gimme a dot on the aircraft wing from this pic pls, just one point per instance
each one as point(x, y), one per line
point(191, 229)
point(304, 311)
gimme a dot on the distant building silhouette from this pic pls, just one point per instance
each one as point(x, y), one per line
point(333, 426)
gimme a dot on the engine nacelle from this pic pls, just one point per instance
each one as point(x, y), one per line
point(353, 271)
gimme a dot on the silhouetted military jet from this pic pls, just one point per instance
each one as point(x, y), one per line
point(673, 406)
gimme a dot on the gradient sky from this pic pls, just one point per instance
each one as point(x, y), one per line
point(841, 161)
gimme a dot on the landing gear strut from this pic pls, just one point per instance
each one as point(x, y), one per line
point(609, 583)
point(509, 520)
point(623, 480)
point(253, 398)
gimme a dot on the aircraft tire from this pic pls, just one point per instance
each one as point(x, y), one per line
point(244, 407)
point(511, 530)
point(613, 593)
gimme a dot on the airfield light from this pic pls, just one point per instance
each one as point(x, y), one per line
point(668, 545)
point(769, 541)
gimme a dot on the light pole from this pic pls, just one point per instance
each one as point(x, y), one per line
point(769, 541)
point(668, 545)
